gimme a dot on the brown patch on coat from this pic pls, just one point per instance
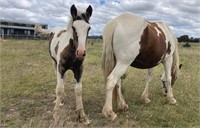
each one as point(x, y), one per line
point(51, 35)
point(68, 60)
point(56, 48)
point(169, 48)
point(152, 48)
point(61, 32)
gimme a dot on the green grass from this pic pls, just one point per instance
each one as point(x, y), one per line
point(28, 84)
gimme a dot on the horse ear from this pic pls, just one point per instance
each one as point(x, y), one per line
point(73, 11)
point(89, 11)
point(180, 66)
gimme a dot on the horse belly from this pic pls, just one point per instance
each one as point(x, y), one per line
point(145, 62)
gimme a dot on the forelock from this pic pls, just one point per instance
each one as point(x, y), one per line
point(82, 16)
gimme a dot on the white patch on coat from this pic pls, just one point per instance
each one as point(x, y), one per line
point(158, 31)
point(169, 37)
point(127, 35)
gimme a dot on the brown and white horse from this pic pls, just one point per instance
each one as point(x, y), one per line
point(129, 40)
point(67, 47)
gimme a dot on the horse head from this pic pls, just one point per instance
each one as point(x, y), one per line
point(80, 28)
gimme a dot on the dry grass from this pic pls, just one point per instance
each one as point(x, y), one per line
point(28, 84)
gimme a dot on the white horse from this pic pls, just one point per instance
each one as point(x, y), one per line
point(129, 40)
point(67, 47)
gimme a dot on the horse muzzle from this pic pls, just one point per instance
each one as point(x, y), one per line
point(80, 53)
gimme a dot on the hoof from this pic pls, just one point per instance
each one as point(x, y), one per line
point(61, 104)
point(110, 115)
point(123, 107)
point(85, 120)
point(81, 117)
point(147, 100)
point(172, 101)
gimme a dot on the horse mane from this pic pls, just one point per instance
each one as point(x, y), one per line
point(70, 23)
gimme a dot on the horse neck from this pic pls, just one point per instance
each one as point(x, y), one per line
point(70, 24)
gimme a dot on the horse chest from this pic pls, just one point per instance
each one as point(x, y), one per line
point(70, 62)
point(68, 59)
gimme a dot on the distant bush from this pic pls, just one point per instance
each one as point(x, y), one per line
point(187, 45)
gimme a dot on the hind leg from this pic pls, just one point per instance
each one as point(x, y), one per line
point(167, 65)
point(163, 80)
point(145, 94)
point(55, 66)
point(112, 80)
point(121, 104)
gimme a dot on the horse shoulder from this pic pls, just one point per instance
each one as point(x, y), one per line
point(59, 42)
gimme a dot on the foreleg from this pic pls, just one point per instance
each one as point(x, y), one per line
point(78, 93)
point(167, 65)
point(59, 89)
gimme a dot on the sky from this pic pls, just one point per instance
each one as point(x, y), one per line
point(182, 16)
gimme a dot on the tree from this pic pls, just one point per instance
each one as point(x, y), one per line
point(184, 38)
point(195, 40)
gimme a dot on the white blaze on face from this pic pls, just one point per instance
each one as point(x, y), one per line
point(81, 28)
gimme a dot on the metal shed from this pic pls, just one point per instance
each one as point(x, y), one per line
point(18, 29)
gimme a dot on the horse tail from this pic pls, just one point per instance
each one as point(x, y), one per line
point(39, 30)
point(175, 65)
point(108, 57)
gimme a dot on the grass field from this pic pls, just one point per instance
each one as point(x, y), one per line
point(28, 84)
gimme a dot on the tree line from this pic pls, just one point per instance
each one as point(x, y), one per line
point(186, 39)
point(183, 38)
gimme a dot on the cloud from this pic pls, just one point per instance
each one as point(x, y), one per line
point(22, 4)
point(181, 15)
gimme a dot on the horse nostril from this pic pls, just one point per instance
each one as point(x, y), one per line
point(84, 53)
point(81, 53)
